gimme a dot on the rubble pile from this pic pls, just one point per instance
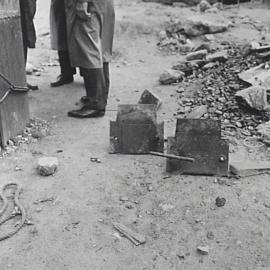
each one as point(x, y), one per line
point(36, 130)
point(218, 85)
point(178, 36)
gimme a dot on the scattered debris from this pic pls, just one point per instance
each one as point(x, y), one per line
point(204, 250)
point(177, 36)
point(200, 26)
point(220, 202)
point(171, 76)
point(134, 237)
point(51, 199)
point(47, 166)
point(95, 160)
point(148, 97)
point(35, 126)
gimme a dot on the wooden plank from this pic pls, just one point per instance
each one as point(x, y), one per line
point(14, 111)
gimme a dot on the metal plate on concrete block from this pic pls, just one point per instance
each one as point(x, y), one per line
point(136, 130)
point(199, 139)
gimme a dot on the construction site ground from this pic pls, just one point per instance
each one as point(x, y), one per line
point(175, 213)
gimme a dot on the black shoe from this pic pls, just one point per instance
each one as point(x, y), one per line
point(86, 112)
point(32, 87)
point(61, 80)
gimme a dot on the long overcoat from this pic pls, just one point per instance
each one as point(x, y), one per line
point(89, 41)
point(28, 11)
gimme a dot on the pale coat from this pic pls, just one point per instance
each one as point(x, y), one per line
point(89, 41)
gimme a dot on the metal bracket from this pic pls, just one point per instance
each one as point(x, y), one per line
point(199, 139)
point(10, 88)
point(136, 130)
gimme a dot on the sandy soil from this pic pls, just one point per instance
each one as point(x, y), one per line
point(175, 213)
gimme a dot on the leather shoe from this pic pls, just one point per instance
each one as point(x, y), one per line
point(32, 87)
point(61, 80)
point(86, 112)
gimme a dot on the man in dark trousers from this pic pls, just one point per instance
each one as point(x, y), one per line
point(90, 31)
point(28, 11)
point(59, 42)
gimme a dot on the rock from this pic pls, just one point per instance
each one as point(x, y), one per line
point(218, 5)
point(162, 35)
point(124, 199)
point(188, 66)
point(221, 56)
point(255, 45)
point(185, 48)
point(200, 26)
point(210, 235)
point(255, 97)
point(259, 75)
point(197, 55)
point(204, 250)
point(148, 97)
point(47, 166)
point(238, 124)
point(220, 202)
point(264, 131)
point(204, 5)
point(209, 65)
point(166, 207)
point(203, 46)
point(212, 10)
point(198, 112)
point(171, 76)
point(209, 37)
point(37, 134)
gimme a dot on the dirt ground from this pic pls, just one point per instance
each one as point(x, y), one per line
point(175, 213)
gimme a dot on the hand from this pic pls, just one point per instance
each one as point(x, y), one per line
point(82, 12)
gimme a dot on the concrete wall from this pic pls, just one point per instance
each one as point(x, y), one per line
point(9, 5)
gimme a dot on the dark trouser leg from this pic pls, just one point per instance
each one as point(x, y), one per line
point(25, 51)
point(66, 69)
point(95, 87)
point(106, 72)
point(96, 101)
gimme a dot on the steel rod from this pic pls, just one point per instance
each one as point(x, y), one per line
point(172, 156)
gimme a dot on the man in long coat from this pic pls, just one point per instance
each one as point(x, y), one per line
point(90, 30)
point(59, 42)
point(28, 11)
